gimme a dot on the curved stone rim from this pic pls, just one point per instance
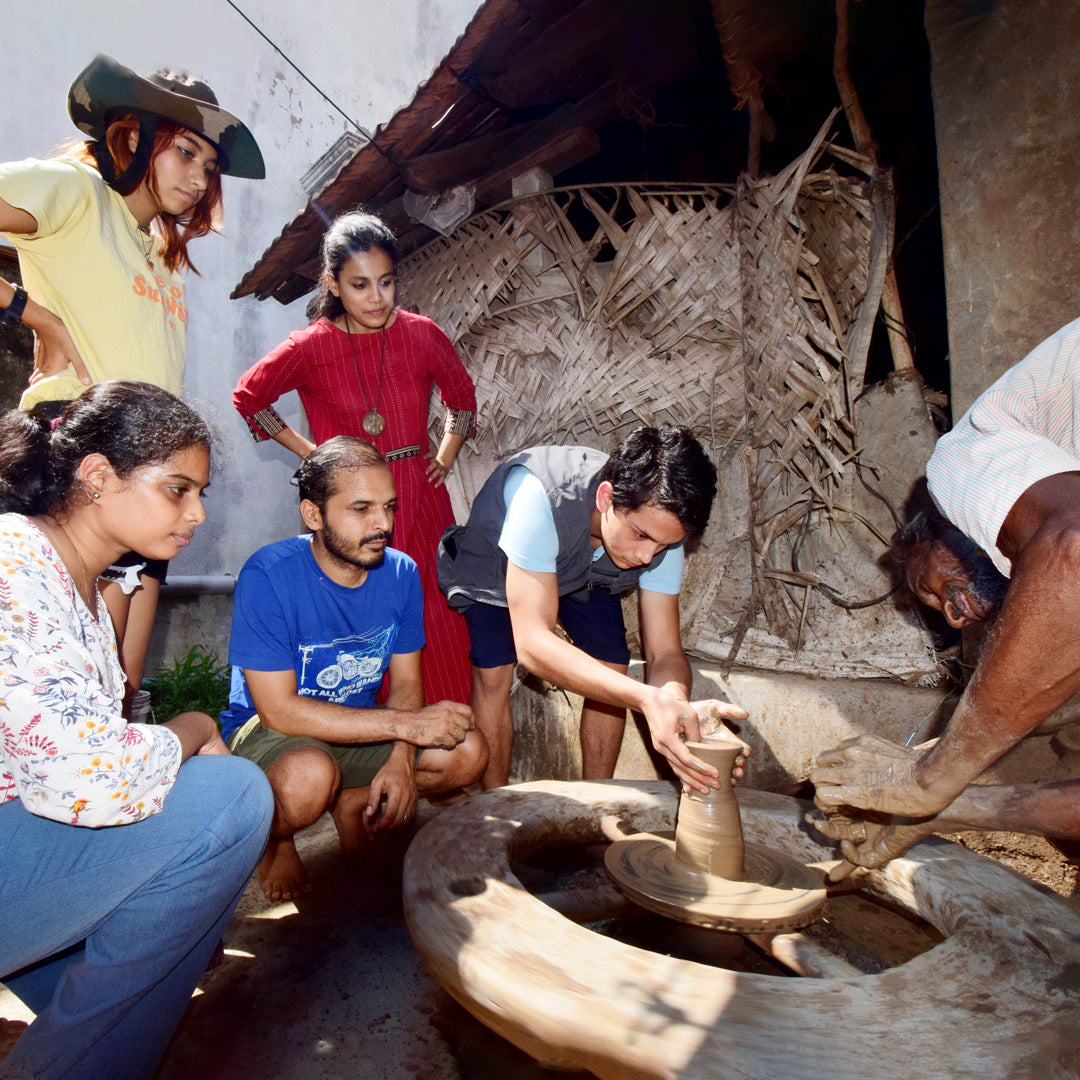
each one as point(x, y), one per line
point(998, 998)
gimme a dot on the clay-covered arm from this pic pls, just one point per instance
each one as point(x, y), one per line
point(1048, 809)
point(1030, 665)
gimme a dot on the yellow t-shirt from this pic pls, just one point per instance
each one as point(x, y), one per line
point(88, 263)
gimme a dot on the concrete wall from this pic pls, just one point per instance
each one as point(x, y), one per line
point(368, 58)
point(1007, 109)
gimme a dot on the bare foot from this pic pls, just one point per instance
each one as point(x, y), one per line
point(281, 873)
point(10, 1030)
point(348, 815)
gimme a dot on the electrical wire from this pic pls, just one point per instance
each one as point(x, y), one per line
point(333, 104)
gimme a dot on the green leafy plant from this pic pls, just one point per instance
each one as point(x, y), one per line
point(196, 682)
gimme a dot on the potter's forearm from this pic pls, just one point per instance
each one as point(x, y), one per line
point(1030, 666)
point(1042, 809)
point(670, 672)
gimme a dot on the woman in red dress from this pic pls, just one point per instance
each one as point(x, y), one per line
point(364, 368)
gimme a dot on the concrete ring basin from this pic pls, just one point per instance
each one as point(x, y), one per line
point(997, 998)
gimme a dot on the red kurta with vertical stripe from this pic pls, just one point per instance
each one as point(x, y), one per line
point(339, 381)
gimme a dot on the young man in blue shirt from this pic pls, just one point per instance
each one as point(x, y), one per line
point(557, 534)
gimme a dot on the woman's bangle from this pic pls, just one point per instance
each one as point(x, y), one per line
point(13, 313)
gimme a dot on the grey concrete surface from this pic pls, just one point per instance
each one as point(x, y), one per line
point(1007, 113)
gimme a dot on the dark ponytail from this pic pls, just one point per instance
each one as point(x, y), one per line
point(349, 234)
point(28, 476)
point(132, 424)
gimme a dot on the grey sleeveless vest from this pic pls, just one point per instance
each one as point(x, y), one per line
point(472, 566)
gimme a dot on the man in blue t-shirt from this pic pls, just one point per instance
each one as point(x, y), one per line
point(317, 621)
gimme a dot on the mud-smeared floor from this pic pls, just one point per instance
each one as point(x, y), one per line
point(331, 986)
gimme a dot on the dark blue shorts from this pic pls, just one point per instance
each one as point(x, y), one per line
point(595, 627)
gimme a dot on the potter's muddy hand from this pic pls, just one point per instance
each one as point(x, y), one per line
point(824, 821)
point(843, 870)
point(872, 774)
point(871, 840)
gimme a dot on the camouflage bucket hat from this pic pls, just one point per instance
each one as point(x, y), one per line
point(105, 88)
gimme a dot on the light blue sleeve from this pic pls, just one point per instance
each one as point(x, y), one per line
point(528, 536)
point(667, 577)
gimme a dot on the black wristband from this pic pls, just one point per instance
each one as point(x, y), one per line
point(14, 311)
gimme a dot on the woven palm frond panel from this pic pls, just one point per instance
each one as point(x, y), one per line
point(582, 312)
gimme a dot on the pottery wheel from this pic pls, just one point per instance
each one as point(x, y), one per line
point(777, 893)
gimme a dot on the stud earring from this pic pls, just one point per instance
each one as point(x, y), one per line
point(95, 494)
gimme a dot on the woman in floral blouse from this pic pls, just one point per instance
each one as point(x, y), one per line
point(124, 846)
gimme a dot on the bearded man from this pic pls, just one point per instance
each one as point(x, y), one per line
point(1007, 477)
point(318, 620)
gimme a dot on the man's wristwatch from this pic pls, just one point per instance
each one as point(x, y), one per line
point(13, 313)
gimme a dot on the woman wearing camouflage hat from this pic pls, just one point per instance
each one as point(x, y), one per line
point(102, 233)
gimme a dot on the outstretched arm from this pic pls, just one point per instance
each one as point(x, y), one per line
point(667, 668)
point(533, 599)
point(1030, 665)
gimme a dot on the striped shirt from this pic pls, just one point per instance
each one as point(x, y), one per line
point(1024, 428)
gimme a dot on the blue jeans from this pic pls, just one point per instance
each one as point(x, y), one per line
point(135, 912)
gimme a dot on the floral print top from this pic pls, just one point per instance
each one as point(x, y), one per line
point(65, 749)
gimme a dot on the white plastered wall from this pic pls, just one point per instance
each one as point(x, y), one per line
point(368, 57)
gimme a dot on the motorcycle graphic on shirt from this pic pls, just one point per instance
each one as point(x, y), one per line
point(340, 669)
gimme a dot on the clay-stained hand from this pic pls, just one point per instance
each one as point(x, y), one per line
point(392, 800)
point(871, 844)
point(54, 349)
point(437, 472)
point(872, 773)
point(673, 723)
point(444, 724)
point(711, 716)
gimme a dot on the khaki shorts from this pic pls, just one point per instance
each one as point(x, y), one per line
point(358, 763)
